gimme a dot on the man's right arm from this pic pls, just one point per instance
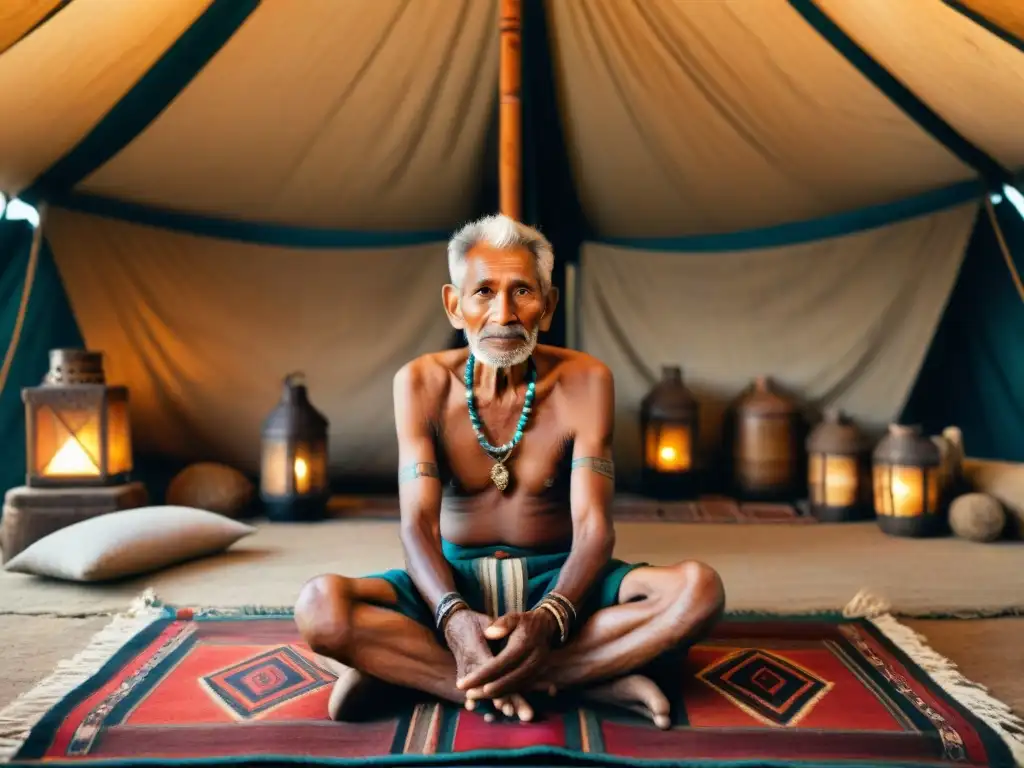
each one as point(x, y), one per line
point(419, 486)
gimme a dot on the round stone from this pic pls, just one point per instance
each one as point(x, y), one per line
point(977, 517)
point(213, 487)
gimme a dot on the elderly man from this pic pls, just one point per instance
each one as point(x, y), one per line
point(505, 482)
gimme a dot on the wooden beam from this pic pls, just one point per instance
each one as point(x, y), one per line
point(510, 115)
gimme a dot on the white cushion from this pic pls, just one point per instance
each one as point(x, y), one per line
point(128, 542)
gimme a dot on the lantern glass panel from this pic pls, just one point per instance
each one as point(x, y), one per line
point(669, 447)
point(119, 437)
point(816, 478)
point(274, 474)
point(906, 491)
point(291, 467)
point(834, 480)
point(65, 436)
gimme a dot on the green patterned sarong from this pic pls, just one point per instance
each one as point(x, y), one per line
point(496, 580)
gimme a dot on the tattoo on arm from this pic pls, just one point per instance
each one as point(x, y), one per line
point(604, 467)
point(419, 469)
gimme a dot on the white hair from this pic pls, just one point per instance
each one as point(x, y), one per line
point(500, 231)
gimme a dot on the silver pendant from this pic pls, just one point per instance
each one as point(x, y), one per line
point(499, 476)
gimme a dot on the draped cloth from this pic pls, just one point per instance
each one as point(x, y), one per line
point(203, 331)
point(971, 77)
point(844, 321)
point(1007, 14)
point(47, 324)
point(57, 83)
point(18, 17)
point(686, 117)
point(351, 115)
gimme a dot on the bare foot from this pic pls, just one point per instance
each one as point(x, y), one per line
point(353, 694)
point(512, 705)
point(636, 693)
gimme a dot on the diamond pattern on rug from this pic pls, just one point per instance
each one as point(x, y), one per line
point(766, 686)
point(260, 683)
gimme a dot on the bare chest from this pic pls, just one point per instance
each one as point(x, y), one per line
point(535, 469)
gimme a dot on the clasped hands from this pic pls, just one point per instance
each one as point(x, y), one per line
point(517, 669)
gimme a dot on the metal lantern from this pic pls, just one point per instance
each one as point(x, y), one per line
point(765, 444)
point(907, 474)
point(668, 423)
point(77, 430)
point(838, 470)
point(293, 465)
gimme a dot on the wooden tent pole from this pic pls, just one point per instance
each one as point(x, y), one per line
point(510, 116)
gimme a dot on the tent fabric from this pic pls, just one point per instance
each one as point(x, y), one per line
point(205, 330)
point(972, 78)
point(1006, 15)
point(690, 117)
point(146, 99)
point(58, 82)
point(361, 115)
point(844, 321)
point(18, 17)
point(974, 371)
point(48, 324)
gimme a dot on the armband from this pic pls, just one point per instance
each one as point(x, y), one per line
point(604, 467)
point(419, 469)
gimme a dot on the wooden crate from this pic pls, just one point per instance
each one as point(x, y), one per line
point(32, 513)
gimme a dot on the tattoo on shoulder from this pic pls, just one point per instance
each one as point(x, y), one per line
point(420, 469)
point(604, 467)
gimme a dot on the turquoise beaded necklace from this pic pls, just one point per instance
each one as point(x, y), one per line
point(499, 473)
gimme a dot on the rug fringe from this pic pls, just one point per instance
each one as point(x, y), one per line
point(20, 716)
point(867, 604)
point(973, 696)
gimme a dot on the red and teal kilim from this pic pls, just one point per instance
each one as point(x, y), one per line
point(218, 687)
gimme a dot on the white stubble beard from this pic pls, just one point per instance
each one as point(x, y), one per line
point(505, 359)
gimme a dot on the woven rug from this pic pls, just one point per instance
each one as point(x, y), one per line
point(212, 687)
point(709, 509)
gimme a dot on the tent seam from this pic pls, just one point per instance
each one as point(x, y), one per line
point(927, 119)
point(60, 6)
point(136, 110)
point(260, 233)
point(811, 230)
point(986, 23)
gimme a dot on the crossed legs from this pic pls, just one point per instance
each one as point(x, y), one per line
point(660, 608)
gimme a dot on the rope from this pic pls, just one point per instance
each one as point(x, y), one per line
point(1004, 247)
point(26, 292)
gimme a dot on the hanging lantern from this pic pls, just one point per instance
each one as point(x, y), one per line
point(668, 423)
point(77, 431)
point(765, 446)
point(907, 472)
point(293, 467)
point(838, 470)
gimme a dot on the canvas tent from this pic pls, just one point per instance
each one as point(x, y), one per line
point(228, 190)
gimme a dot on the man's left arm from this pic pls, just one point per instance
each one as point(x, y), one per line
point(592, 488)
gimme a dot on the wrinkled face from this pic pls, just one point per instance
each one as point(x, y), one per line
point(500, 306)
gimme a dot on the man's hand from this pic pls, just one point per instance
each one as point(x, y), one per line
point(517, 667)
point(465, 635)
